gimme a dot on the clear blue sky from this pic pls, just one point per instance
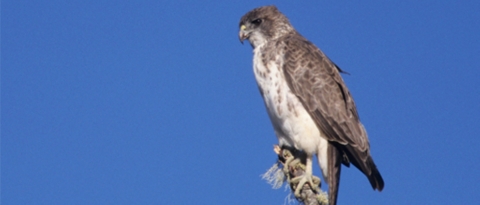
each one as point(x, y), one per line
point(150, 102)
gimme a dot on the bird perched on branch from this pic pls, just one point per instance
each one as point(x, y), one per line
point(310, 106)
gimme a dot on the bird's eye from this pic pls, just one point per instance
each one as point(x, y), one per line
point(257, 22)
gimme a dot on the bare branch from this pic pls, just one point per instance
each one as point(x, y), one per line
point(296, 168)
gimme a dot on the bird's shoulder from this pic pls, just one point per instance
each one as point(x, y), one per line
point(292, 41)
point(312, 75)
point(294, 49)
point(301, 52)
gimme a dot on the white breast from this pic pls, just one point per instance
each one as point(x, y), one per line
point(292, 123)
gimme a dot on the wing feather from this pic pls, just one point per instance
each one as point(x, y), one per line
point(316, 81)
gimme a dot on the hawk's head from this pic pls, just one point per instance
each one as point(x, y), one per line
point(262, 24)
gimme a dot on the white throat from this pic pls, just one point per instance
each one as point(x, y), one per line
point(257, 40)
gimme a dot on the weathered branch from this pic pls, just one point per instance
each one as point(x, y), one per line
point(295, 160)
point(296, 168)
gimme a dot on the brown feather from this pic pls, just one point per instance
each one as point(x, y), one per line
point(323, 93)
point(334, 168)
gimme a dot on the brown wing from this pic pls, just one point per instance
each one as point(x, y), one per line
point(316, 81)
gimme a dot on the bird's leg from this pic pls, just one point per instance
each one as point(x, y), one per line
point(307, 177)
point(288, 156)
point(287, 159)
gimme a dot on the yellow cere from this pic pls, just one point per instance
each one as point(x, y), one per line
point(243, 27)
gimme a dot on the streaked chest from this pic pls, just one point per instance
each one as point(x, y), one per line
point(271, 82)
point(284, 109)
point(293, 125)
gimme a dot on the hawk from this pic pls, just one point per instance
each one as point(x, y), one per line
point(309, 105)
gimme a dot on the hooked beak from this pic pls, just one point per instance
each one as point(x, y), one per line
point(242, 35)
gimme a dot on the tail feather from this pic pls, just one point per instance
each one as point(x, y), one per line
point(335, 159)
point(333, 177)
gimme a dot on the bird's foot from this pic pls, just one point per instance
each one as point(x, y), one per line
point(289, 158)
point(299, 182)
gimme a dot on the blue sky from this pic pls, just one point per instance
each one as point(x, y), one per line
point(151, 102)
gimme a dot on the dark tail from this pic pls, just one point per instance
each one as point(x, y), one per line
point(334, 168)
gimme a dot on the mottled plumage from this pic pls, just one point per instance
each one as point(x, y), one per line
point(310, 106)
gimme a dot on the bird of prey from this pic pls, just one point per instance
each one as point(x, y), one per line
point(308, 103)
